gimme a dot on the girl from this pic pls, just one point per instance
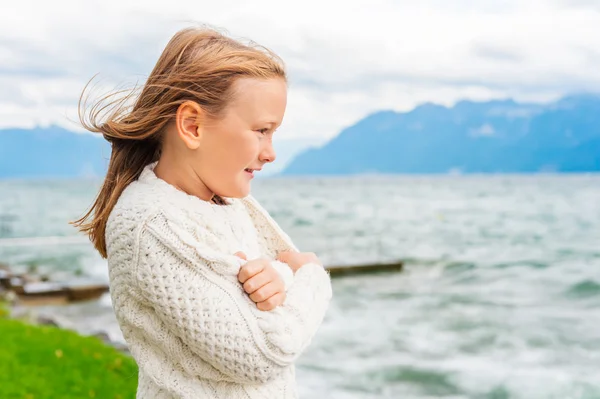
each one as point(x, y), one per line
point(176, 223)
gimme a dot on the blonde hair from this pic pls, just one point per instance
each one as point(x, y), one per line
point(198, 64)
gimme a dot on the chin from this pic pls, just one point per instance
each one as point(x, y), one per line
point(238, 192)
point(244, 193)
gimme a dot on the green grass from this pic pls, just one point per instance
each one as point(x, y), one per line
point(40, 362)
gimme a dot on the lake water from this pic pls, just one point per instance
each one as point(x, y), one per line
point(500, 297)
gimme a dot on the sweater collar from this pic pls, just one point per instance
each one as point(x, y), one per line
point(260, 217)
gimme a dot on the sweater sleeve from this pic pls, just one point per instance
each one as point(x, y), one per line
point(195, 293)
point(286, 273)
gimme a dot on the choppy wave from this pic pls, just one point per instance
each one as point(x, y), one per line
point(500, 296)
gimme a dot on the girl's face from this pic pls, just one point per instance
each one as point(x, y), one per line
point(236, 147)
point(205, 156)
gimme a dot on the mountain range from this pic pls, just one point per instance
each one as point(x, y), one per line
point(51, 152)
point(500, 136)
point(470, 137)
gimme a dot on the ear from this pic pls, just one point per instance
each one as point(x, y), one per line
point(189, 121)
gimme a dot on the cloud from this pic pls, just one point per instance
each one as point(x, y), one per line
point(345, 61)
point(495, 53)
point(590, 4)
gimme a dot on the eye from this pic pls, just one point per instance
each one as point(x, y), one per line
point(263, 131)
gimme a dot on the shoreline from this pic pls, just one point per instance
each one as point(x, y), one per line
point(49, 317)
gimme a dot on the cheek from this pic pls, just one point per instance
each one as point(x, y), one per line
point(234, 156)
point(232, 149)
point(247, 147)
point(229, 151)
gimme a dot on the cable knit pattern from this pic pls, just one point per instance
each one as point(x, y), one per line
point(192, 329)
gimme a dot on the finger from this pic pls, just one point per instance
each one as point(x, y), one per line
point(267, 291)
point(272, 303)
point(257, 281)
point(242, 255)
point(250, 269)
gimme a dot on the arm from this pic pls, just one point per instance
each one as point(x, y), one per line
point(194, 291)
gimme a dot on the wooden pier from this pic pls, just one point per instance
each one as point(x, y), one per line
point(31, 290)
point(352, 270)
point(34, 292)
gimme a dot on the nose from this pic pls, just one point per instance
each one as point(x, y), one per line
point(267, 153)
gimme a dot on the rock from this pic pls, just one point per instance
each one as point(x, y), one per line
point(47, 321)
point(5, 276)
point(121, 347)
point(27, 315)
point(104, 337)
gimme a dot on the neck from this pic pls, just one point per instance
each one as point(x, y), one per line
point(182, 177)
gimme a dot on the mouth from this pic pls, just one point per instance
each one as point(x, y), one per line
point(251, 171)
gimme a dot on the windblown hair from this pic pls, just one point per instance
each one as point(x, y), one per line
point(198, 64)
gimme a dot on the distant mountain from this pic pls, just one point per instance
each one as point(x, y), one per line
point(471, 137)
point(52, 152)
point(56, 152)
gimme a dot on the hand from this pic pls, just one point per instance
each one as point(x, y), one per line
point(262, 283)
point(295, 260)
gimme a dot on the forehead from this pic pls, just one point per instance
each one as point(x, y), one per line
point(259, 99)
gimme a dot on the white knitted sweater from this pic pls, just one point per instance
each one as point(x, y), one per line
point(190, 326)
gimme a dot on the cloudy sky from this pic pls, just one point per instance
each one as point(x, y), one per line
point(346, 59)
